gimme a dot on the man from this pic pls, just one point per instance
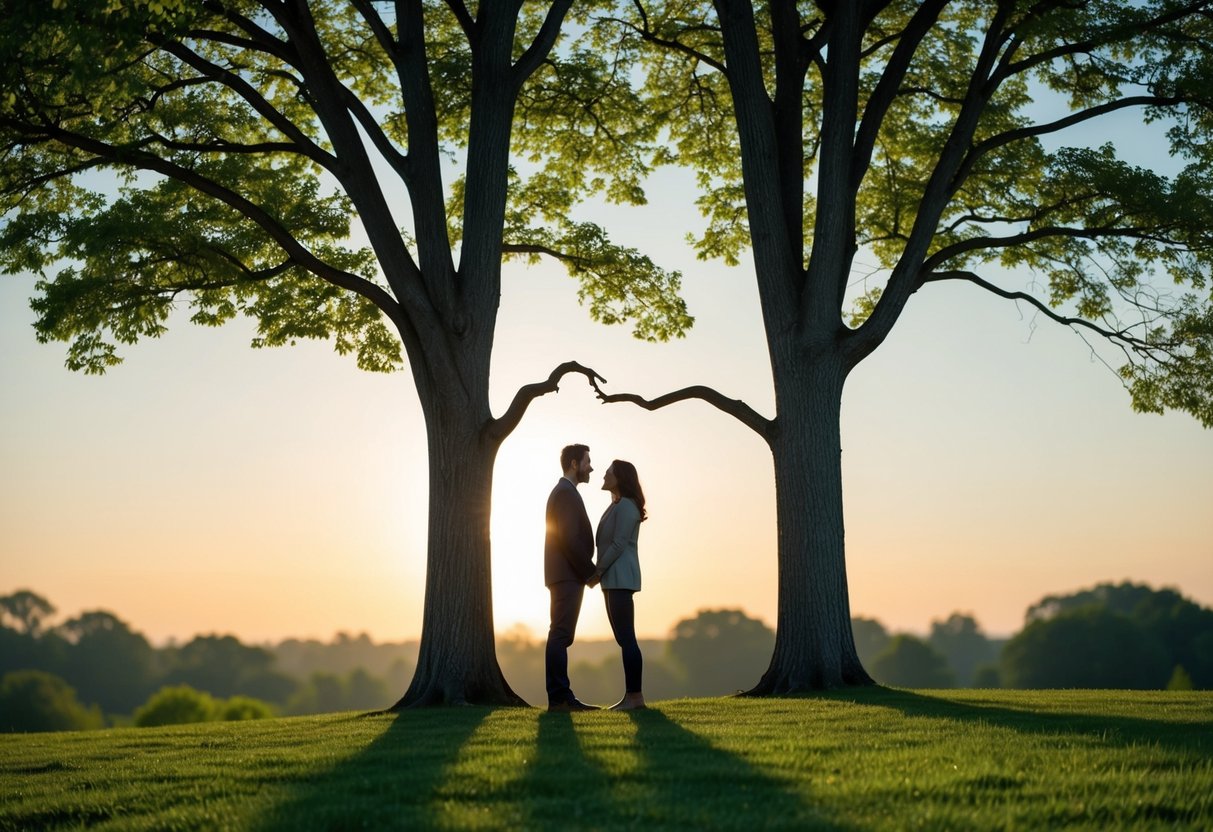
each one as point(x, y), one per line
point(568, 564)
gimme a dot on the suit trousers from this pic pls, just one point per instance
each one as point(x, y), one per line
point(566, 607)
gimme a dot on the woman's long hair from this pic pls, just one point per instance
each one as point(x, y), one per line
point(628, 483)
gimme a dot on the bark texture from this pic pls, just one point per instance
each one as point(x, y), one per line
point(457, 663)
point(814, 646)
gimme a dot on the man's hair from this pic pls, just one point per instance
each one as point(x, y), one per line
point(572, 453)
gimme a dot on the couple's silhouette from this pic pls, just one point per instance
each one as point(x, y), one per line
point(569, 567)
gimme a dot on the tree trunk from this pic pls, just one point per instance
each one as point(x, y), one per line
point(814, 646)
point(457, 663)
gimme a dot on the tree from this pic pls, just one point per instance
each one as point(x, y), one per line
point(33, 700)
point(961, 642)
point(907, 130)
point(110, 663)
point(871, 638)
point(26, 609)
point(910, 662)
point(248, 136)
point(719, 649)
point(1123, 598)
point(1182, 629)
point(222, 666)
point(1088, 648)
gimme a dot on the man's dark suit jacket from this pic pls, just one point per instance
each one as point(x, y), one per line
point(568, 546)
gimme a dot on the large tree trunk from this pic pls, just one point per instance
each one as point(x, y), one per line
point(814, 646)
point(457, 663)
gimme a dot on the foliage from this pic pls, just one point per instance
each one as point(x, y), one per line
point(721, 649)
point(177, 705)
point(912, 663)
point(223, 666)
point(987, 676)
point(863, 759)
point(1088, 648)
point(1122, 598)
point(248, 191)
point(33, 700)
point(26, 610)
point(302, 657)
point(182, 705)
point(959, 639)
point(1178, 629)
point(100, 644)
point(237, 708)
point(871, 638)
point(329, 692)
point(939, 139)
point(1180, 680)
point(332, 170)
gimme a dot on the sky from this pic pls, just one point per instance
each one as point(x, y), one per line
point(206, 487)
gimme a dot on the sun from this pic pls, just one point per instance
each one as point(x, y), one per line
point(524, 475)
point(521, 484)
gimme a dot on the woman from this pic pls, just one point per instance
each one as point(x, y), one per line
point(618, 568)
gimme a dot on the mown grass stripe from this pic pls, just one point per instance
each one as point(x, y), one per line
point(865, 759)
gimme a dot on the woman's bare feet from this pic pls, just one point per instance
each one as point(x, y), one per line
point(629, 702)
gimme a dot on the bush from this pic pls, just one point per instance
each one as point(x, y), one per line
point(33, 700)
point(244, 707)
point(1180, 680)
point(177, 705)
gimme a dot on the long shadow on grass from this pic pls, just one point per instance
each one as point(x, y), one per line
point(395, 782)
point(651, 773)
point(1112, 730)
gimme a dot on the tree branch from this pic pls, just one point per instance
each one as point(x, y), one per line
point(736, 408)
point(647, 34)
point(499, 429)
point(245, 90)
point(994, 142)
point(537, 52)
point(978, 243)
point(890, 81)
point(294, 249)
point(460, 10)
point(1121, 337)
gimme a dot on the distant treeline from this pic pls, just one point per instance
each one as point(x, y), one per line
point(94, 670)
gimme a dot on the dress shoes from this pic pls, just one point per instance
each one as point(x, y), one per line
point(571, 705)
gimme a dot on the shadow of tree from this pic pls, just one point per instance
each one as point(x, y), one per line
point(1186, 737)
point(479, 768)
point(396, 782)
point(643, 770)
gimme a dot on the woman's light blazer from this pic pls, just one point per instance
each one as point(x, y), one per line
point(618, 557)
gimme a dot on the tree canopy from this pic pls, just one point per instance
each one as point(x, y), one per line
point(950, 142)
point(353, 171)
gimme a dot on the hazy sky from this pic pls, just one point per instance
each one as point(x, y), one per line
point(204, 486)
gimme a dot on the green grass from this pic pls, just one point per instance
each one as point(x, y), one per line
point(867, 759)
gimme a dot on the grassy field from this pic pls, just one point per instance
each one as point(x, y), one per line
point(868, 759)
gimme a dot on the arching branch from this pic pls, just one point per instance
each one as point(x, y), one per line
point(500, 428)
point(736, 408)
point(1123, 338)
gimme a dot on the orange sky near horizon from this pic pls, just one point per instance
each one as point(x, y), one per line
point(202, 486)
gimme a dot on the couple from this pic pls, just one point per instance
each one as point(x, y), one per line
point(568, 566)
